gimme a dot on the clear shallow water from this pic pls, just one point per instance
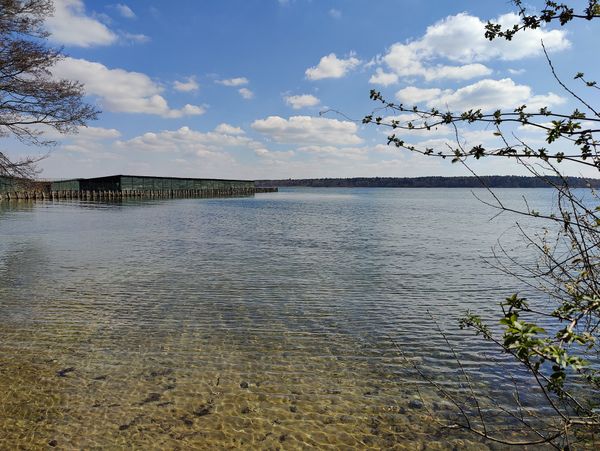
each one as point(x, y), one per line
point(260, 322)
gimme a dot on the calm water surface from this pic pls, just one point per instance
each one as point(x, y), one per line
point(269, 322)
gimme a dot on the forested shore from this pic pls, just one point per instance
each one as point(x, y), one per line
point(494, 181)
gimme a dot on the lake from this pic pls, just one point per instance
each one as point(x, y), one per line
point(280, 321)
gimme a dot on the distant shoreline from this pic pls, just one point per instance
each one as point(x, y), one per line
point(493, 181)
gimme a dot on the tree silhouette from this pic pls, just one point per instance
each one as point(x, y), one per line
point(31, 100)
point(562, 358)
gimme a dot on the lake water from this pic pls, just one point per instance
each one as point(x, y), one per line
point(281, 321)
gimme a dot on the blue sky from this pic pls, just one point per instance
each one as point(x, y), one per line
point(233, 88)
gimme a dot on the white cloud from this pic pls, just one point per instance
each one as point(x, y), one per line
point(246, 93)
point(239, 81)
point(87, 140)
point(461, 39)
point(473, 137)
point(120, 90)
point(187, 141)
point(383, 78)
point(307, 130)
point(125, 11)
point(301, 101)
point(413, 95)
point(188, 85)
point(71, 26)
point(464, 72)
point(353, 153)
point(97, 133)
point(276, 155)
point(405, 61)
point(139, 38)
point(228, 129)
point(85, 134)
point(540, 101)
point(330, 66)
point(382, 148)
point(490, 95)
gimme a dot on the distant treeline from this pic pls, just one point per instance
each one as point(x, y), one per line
point(493, 181)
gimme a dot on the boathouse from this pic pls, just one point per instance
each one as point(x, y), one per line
point(121, 186)
point(136, 183)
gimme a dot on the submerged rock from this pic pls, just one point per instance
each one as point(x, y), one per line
point(204, 409)
point(415, 404)
point(65, 371)
point(187, 421)
point(152, 397)
point(160, 373)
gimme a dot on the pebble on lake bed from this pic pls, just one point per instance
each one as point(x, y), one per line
point(64, 372)
point(415, 404)
point(203, 410)
point(152, 397)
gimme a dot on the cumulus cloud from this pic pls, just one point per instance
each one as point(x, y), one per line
point(301, 101)
point(307, 130)
point(120, 90)
point(228, 129)
point(383, 78)
point(86, 140)
point(275, 155)
point(125, 11)
point(246, 93)
point(97, 133)
point(235, 82)
point(187, 141)
point(461, 39)
point(485, 94)
point(330, 66)
point(188, 85)
point(413, 95)
point(85, 134)
point(238, 81)
point(71, 26)
point(405, 61)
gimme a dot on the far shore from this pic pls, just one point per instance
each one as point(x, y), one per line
point(491, 181)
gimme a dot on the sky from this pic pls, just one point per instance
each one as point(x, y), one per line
point(258, 89)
